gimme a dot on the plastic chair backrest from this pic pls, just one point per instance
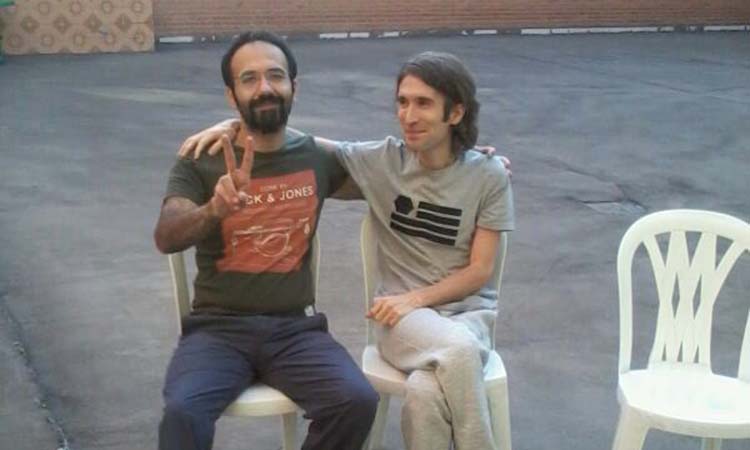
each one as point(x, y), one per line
point(181, 289)
point(682, 333)
point(368, 246)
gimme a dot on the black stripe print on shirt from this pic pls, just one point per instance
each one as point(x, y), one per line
point(428, 221)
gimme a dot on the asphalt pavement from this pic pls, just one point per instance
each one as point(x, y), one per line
point(601, 129)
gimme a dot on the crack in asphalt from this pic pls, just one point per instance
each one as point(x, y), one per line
point(626, 204)
point(599, 72)
point(613, 75)
point(15, 335)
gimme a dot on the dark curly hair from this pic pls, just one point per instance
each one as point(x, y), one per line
point(446, 74)
point(248, 38)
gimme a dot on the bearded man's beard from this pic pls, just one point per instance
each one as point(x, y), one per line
point(267, 120)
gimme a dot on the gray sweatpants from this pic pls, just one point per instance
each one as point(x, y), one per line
point(445, 395)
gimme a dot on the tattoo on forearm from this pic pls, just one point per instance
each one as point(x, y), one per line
point(182, 224)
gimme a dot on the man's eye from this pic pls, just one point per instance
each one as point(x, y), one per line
point(276, 76)
point(246, 79)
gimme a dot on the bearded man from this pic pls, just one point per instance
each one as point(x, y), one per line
point(253, 314)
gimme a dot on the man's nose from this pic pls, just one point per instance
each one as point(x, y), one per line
point(410, 115)
point(265, 85)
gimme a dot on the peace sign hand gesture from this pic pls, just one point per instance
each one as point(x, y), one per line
point(229, 195)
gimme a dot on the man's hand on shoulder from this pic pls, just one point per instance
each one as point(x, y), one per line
point(506, 164)
point(491, 151)
point(209, 139)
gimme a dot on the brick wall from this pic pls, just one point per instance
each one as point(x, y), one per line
point(223, 17)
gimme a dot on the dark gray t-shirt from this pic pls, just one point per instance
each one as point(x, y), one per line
point(425, 219)
point(258, 260)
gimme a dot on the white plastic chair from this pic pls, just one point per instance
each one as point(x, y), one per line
point(258, 399)
point(388, 380)
point(678, 392)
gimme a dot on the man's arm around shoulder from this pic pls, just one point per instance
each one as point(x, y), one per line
point(349, 189)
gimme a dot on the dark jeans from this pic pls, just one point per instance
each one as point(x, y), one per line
point(218, 357)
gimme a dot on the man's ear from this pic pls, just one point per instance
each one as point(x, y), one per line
point(457, 114)
point(230, 97)
point(295, 85)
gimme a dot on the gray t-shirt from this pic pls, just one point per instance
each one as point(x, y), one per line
point(423, 219)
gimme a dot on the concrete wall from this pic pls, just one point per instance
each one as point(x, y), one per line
point(222, 17)
point(77, 26)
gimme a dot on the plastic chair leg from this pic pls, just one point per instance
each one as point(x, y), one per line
point(497, 398)
point(711, 444)
point(375, 440)
point(290, 431)
point(631, 431)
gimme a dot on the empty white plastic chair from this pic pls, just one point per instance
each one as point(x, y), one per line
point(678, 392)
point(388, 380)
point(258, 399)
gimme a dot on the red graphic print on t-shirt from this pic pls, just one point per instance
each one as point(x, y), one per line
point(273, 231)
